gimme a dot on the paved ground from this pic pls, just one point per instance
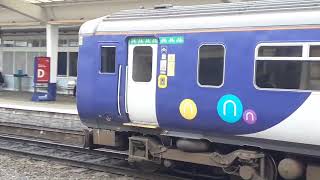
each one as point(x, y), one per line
point(17, 107)
point(20, 100)
point(14, 167)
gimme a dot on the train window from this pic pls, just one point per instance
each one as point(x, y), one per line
point(142, 64)
point(108, 60)
point(211, 65)
point(314, 51)
point(288, 67)
point(280, 51)
point(300, 75)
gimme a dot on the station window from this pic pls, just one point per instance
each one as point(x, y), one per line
point(108, 60)
point(21, 43)
point(17, 60)
point(63, 43)
point(43, 43)
point(20, 62)
point(30, 62)
point(142, 64)
point(8, 43)
point(73, 42)
point(211, 65)
point(286, 68)
point(62, 63)
point(8, 63)
point(34, 43)
point(73, 61)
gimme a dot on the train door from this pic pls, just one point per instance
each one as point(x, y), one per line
point(110, 71)
point(141, 90)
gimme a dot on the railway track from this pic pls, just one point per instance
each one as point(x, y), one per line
point(107, 161)
point(63, 136)
point(57, 145)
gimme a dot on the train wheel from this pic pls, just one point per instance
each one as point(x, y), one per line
point(266, 171)
point(271, 170)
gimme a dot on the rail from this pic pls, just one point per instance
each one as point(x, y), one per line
point(65, 146)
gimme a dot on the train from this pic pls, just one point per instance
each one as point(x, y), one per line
point(230, 86)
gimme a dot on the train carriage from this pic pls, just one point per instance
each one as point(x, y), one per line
point(191, 79)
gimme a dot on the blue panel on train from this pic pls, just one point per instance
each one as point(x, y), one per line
point(261, 109)
point(257, 110)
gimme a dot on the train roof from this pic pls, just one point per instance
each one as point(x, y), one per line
point(212, 16)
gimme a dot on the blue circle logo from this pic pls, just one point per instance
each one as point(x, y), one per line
point(230, 108)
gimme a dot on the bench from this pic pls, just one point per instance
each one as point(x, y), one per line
point(70, 88)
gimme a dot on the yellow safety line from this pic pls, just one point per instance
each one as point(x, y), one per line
point(141, 125)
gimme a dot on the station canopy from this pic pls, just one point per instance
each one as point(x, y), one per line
point(31, 13)
point(43, 2)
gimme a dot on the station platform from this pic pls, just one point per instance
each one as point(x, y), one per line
point(22, 100)
point(17, 108)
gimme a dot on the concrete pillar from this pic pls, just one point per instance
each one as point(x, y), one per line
point(52, 52)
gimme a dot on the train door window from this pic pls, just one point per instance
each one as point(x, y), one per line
point(211, 65)
point(142, 64)
point(108, 60)
point(285, 69)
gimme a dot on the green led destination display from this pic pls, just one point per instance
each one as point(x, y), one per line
point(172, 40)
point(143, 41)
point(162, 40)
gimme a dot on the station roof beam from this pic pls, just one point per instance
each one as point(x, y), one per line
point(27, 9)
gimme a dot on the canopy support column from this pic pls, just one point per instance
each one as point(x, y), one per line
point(52, 52)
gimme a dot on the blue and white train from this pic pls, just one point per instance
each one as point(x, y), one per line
point(187, 82)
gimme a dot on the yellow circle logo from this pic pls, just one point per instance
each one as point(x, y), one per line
point(188, 109)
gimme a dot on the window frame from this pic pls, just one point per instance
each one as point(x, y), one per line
point(115, 60)
point(305, 57)
point(68, 63)
point(224, 64)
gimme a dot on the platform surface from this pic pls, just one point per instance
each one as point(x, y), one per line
point(22, 100)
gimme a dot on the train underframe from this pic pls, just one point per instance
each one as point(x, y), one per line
point(247, 162)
